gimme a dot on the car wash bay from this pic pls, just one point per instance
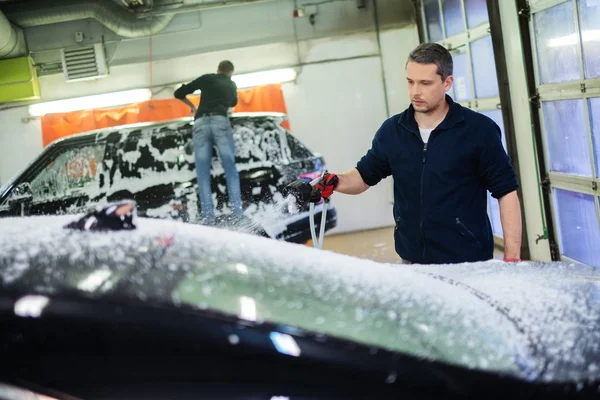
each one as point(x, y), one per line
point(531, 66)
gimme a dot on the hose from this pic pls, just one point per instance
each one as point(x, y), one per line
point(317, 240)
point(313, 232)
point(323, 222)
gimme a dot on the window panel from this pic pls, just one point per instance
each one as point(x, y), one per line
point(451, 93)
point(462, 83)
point(477, 13)
point(433, 20)
point(556, 40)
point(565, 130)
point(454, 21)
point(595, 121)
point(494, 208)
point(589, 17)
point(578, 226)
point(496, 116)
point(484, 68)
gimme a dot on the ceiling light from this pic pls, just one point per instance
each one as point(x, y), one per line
point(90, 102)
point(264, 77)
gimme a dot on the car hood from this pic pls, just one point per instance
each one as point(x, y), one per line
point(536, 321)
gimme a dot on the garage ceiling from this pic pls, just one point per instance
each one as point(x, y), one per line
point(182, 27)
point(127, 18)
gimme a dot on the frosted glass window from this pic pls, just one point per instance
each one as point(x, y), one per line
point(595, 121)
point(589, 16)
point(477, 13)
point(433, 20)
point(557, 40)
point(496, 116)
point(578, 226)
point(494, 205)
point(453, 17)
point(462, 84)
point(484, 68)
point(565, 130)
point(494, 212)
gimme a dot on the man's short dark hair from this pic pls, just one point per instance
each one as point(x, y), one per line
point(433, 53)
point(226, 66)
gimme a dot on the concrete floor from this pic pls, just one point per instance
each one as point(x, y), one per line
point(375, 244)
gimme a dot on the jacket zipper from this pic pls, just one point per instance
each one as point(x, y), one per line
point(422, 174)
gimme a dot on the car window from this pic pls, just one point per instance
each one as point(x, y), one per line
point(257, 139)
point(298, 150)
point(72, 171)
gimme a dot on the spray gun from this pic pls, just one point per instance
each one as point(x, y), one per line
point(305, 192)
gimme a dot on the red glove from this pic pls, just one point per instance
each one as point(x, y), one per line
point(328, 184)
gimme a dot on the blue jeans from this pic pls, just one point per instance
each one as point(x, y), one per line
point(209, 131)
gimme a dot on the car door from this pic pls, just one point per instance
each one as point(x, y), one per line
point(185, 188)
point(258, 156)
point(148, 170)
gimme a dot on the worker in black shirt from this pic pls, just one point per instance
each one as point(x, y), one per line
point(212, 126)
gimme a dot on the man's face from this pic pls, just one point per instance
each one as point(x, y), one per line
point(426, 88)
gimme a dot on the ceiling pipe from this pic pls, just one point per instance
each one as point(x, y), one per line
point(10, 43)
point(118, 19)
point(114, 17)
point(188, 6)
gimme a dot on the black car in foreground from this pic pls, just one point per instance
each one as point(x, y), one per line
point(153, 164)
point(117, 308)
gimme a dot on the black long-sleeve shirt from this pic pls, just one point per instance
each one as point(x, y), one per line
point(218, 93)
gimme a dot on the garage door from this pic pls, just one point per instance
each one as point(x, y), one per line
point(566, 43)
point(462, 26)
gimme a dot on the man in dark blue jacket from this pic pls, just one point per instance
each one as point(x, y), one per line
point(443, 159)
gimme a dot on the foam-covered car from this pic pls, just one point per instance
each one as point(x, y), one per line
point(109, 306)
point(153, 164)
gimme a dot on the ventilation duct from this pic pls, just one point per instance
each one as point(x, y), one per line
point(116, 18)
point(12, 41)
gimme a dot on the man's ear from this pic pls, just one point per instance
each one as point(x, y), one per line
point(448, 82)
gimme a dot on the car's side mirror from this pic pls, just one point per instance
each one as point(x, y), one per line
point(20, 196)
point(22, 193)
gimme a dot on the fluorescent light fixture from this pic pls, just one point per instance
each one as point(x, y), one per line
point(590, 35)
point(264, 77)
point(90, 102)
point(261, 78)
